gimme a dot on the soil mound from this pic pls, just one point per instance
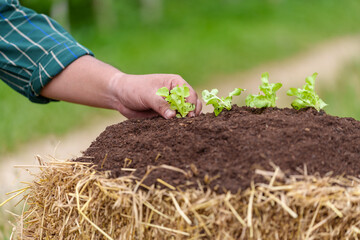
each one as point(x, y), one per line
point(223, 152)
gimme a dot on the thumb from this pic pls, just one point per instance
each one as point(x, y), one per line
point(163, 108)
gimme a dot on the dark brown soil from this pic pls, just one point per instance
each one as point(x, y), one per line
point(230, 146)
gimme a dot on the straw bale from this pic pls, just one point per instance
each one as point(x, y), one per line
point(73, 201)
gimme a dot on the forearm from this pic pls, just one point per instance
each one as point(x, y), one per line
point(86, 81)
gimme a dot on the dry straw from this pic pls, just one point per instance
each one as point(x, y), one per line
point(73, 201)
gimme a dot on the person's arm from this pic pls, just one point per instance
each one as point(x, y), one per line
point(33, 50)
point(91, 82)
point(42, 61)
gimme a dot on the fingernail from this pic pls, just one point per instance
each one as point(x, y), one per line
point(168, 114)
point(191, 114)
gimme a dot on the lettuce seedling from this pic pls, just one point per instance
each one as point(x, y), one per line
point(306, 97)
point(176, 99)
point(220, 103)
point(269, 97)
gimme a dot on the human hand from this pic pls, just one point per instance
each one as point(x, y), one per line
point(135, 95)
point(91, 82)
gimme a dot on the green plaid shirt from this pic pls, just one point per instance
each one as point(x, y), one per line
point(33, 49)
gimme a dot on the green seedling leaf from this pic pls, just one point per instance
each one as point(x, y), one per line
point(220, 103)
point(306, 97)
point(176, 99)
point(164, 92)
point(269, 97)
point(236, 92)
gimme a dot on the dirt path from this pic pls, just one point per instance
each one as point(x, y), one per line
point(327, 59)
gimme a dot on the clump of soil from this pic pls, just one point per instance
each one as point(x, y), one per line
point(229, 148)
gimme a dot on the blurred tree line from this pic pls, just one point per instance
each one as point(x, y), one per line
point(105, 15)
point(199, 38)
point(102, 14)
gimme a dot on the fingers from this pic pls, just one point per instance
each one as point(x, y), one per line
point(197, 110)
point(198, 107)
point(162, 107)
point(138, 97)
point(193, 98)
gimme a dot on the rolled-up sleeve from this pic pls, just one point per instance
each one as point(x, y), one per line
point(33, 49)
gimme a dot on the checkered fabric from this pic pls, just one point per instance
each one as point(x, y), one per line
point(33, 49)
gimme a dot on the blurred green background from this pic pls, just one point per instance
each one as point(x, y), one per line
point(344, 98)
point(196, 39)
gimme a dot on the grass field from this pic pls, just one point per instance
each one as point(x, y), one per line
point(24, 121)
point(197, 41)
point(193, 40)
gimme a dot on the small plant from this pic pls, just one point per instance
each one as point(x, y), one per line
point(306, 97)
point(269, 97)
point(176, 99)
point(220, 103)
